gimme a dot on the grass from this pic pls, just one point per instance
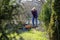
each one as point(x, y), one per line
point(29, 35)
point(34, 35)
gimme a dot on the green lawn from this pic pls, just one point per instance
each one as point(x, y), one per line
point(34, 35)
point(29, 35)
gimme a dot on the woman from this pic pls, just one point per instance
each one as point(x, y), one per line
point(35, 16)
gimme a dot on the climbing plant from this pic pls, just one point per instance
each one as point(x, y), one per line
point(55, 20)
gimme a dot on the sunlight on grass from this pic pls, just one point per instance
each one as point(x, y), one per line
point(34, 35)
point(29, 35)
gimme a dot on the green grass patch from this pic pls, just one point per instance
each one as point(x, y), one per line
point(34, 35)
point(28, 35)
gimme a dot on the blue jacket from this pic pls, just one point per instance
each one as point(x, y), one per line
point(34, 13)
